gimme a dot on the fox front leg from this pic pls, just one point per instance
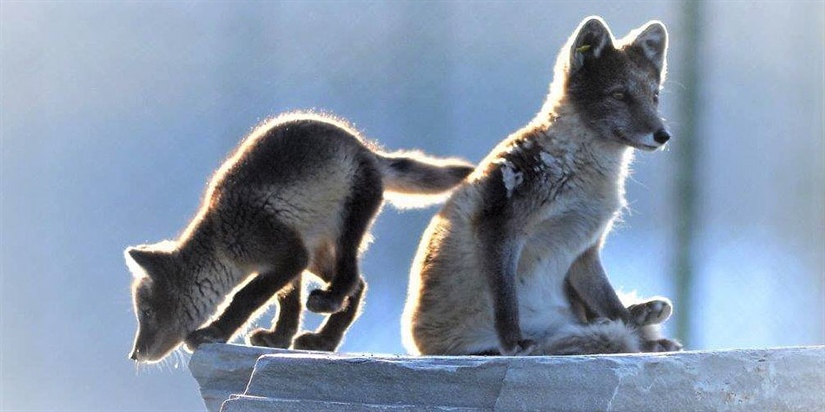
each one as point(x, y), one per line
point(275, 246)
point(245, 302)
point(501, 247)
point(500, 270)
point(588, 281)
point(287, 322)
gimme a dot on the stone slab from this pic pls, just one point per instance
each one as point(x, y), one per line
point(245, 403)
point(780, 379)
point(224, 369)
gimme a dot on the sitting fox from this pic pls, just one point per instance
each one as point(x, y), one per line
point(511, 264)
point(300, 193)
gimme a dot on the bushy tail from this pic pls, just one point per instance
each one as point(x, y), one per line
point(413, 179)
point(592, 339)
point(606, 337)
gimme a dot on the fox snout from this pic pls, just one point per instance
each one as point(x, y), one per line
point(661, 136)
point(651, 141)
point(647, 141)
point(138, 354)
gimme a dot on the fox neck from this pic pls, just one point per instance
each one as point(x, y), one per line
point(208, 280)
point(210, 286)
point(565, 131)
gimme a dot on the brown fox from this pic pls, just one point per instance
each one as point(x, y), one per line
point(511, 264)
point(300, 193)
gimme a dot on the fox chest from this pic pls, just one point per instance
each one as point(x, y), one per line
point(550, 249)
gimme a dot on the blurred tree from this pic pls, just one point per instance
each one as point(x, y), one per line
point(687, 147)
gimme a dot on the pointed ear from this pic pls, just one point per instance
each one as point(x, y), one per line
point(147, 259)
point(589, 41)
point(652, 41)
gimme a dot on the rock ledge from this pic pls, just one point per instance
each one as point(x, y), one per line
point(237, 378)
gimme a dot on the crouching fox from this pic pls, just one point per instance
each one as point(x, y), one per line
point(511, 265)
point(299, 193)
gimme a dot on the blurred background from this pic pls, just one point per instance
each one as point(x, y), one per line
point(115, 114)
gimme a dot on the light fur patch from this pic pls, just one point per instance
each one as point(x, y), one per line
point(511, 177)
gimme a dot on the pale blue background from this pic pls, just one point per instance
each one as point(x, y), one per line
point(115, 114)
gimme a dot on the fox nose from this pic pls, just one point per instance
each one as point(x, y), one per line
point(661, 136)
point(134, 355)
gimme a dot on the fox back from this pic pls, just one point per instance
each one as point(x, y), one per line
point(299, 193)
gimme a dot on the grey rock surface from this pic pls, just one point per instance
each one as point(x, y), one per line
point(243, 403)
point(223, 370)
point(782, 379)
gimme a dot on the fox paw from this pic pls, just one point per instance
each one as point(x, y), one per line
point(321, 301)
point(314, 341)
point(661, 345)
point(268, 339)
point(524, 347)
point(209, 334)
point(651, 312)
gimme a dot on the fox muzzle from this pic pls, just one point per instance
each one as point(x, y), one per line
point(661, 136)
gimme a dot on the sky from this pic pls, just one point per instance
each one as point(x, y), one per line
point(114, 115)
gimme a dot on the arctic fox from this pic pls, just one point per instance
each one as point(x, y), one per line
point(299, 193)
point(511, 265)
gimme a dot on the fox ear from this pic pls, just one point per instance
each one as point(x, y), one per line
point(590, 40)
point(147, 260)
point(652, 41)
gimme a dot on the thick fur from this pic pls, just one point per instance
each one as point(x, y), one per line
point(299, 194)
point(511, 264)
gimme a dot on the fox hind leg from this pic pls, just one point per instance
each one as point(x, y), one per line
point(648, 316)
point(651, 340)
point(651, 312)
point(361, 207)
point(329, 335)
point(602, 336)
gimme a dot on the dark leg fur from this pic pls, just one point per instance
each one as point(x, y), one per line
point(582, 312)
point(359, 210)
point(330, 334)
point(588, 279)
point(287, 322)
point(287, 256)
point(500, 247)
point(502, 257)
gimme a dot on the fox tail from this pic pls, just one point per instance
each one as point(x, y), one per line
point(414, 179)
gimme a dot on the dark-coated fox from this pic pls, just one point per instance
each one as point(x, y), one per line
point(299, 193)
point(511, 264)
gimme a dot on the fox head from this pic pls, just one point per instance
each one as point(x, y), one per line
point(614, 84)
point(163, 318)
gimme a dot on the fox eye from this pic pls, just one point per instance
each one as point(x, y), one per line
point(146, 313)
point(656, 96)
point(619, 95)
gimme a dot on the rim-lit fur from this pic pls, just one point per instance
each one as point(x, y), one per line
point(511, 265)
point(299, 193)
